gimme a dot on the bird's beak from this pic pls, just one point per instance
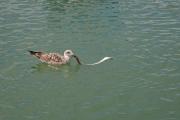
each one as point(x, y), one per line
point(77, 59)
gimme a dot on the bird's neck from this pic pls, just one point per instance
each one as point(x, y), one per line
point(67, 58)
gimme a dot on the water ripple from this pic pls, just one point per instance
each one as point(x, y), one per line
point(142, 36)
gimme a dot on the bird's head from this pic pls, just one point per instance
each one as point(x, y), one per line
point(69, 54)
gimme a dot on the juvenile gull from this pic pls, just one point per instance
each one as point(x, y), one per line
point(55, 58)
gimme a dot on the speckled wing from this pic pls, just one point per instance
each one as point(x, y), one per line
point(52, 58)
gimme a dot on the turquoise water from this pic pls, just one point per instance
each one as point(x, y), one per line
point(142, 82)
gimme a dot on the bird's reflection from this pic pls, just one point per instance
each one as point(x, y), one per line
point(68, 70)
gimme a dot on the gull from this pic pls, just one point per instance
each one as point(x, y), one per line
point(55, 58)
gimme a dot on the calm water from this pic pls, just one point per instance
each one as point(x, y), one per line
point(141, 83)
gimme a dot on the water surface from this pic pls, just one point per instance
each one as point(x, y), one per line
point(140, 83)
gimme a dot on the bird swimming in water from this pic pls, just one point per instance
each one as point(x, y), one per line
point(58, 59)
point(55, 58)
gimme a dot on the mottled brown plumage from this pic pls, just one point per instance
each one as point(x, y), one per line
point(55, 58)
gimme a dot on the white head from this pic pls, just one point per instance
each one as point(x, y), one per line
point(68, 53)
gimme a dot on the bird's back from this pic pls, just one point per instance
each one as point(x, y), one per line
point(53, 58)
point(50, 58)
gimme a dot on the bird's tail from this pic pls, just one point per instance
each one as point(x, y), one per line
point(37, 54)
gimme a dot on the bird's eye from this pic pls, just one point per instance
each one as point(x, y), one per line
point(68, 52)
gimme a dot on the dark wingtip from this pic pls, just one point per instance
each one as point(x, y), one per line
point(31, 52)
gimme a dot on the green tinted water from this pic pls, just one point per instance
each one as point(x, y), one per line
point(141, 83)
